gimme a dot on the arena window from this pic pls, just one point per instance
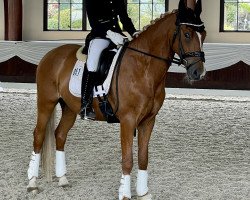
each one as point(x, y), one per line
point(70, 15)
point(235, 15)
point(64, 15)
point(143, 11)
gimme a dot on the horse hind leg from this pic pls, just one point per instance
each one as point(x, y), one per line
point(67, 121)
point(45, 110)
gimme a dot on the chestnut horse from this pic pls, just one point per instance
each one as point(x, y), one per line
point(140, 88)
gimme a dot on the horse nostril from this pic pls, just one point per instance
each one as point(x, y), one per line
point(196, 75)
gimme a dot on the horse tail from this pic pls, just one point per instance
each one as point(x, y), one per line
point(48, 150)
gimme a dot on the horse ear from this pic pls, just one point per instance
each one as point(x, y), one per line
point(182, 6)
point(198, 8)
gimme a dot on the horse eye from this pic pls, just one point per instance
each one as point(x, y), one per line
point(187, 35)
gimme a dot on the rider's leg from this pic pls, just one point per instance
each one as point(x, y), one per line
point(87, 91)
point(95, 49)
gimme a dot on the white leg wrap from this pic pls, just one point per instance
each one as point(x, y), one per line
point(142, 182)
point(34, 165)
point(125, 188)
point(60, 164)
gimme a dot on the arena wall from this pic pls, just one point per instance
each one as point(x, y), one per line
point(1, 21)
point(19, 67)
point(33, 24)
point(211, 18)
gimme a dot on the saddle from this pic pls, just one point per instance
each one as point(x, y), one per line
point(103, 71)
point(105, 61)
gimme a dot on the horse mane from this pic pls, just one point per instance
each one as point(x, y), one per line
point(152, 22)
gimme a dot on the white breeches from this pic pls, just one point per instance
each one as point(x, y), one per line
point(96, 47)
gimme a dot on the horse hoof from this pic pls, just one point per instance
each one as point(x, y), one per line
point(63, 182)
point(145, 197)
point(33, 190)
point(32, 187)
point(125, 198)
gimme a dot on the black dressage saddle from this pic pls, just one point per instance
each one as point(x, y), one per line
point(104, 64)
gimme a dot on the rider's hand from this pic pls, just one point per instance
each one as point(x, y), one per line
point(116, 38)
point(135, 34)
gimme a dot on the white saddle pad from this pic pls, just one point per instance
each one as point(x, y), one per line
point(75, 82)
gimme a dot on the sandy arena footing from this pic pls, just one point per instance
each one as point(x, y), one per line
point(199, 150)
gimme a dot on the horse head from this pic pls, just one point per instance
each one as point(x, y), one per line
point(188, 40)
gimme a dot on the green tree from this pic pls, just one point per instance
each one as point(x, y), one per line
point(230, 16)
point(64, 23)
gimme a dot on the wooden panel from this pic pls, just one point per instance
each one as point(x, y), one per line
point(17, 70)
point(236, 76)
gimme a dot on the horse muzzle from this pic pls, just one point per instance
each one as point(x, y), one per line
point(196, 70)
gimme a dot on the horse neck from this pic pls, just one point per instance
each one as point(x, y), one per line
point(157, 38)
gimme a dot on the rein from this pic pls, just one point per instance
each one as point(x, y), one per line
point(168, 61)
point(179, 61)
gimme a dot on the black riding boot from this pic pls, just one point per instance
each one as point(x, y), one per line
point(87, 111)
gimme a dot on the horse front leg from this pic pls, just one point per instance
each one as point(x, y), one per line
point(144, 133)
point(127, 130)
point(33, 172)
point(65, 124)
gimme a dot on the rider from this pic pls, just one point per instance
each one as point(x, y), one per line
point(103, 16)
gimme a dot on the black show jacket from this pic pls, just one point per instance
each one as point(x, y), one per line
point(103, 16)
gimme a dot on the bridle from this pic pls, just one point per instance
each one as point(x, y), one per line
point(182, 54)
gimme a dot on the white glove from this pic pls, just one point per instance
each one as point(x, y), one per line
point(135, 35)
point(116, 38)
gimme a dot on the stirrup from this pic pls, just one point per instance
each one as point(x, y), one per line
point(87, 113)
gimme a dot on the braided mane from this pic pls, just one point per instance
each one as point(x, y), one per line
point(152, 22)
